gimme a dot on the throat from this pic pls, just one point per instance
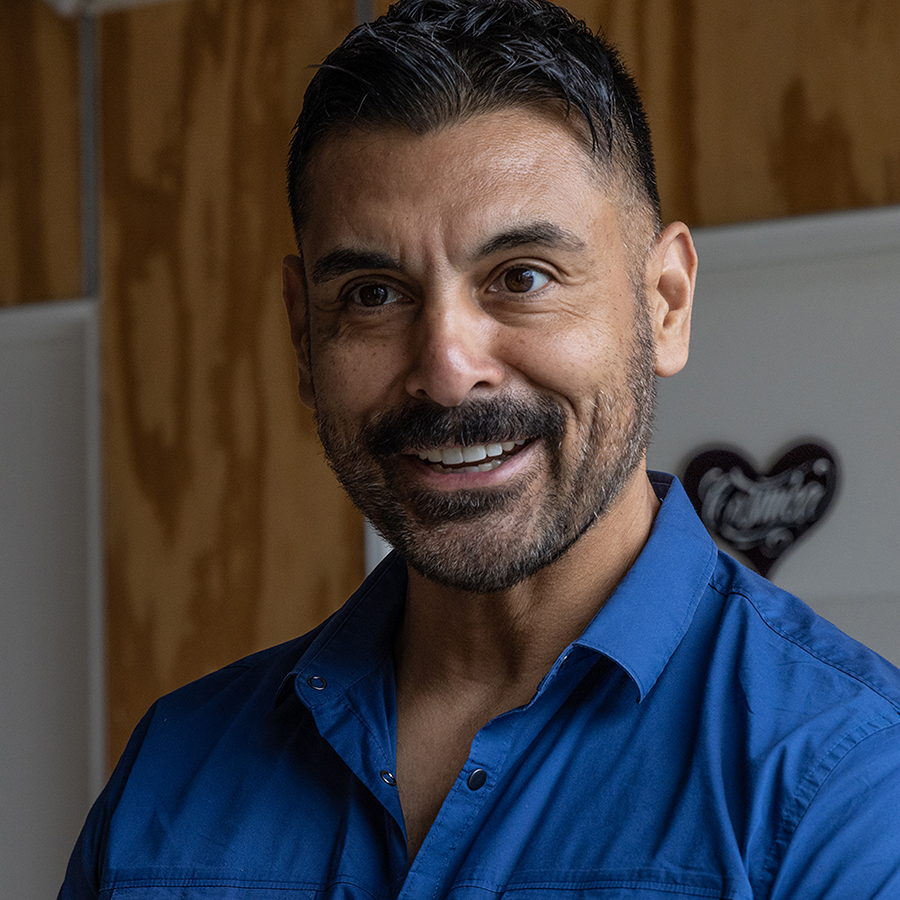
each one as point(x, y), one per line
point(434, 740)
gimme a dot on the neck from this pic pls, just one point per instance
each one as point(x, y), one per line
point(505, 642)
point(462, 658)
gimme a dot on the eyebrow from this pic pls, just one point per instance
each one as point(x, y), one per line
point(344, 260)
point(540, 234)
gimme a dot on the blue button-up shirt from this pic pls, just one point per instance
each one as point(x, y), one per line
point(706, 736)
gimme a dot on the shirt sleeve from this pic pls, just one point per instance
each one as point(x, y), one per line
point(85, 869)
point(82, 877)
point(847, 842)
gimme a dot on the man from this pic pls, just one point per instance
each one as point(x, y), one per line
point(556, 685)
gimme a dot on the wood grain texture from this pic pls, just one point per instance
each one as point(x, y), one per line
point(226, 531)
point(40, 244)
point(766, 109)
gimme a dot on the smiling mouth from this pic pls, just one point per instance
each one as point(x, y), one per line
point(473, 458)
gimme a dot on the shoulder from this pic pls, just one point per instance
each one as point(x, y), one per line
point(798, 648)
point(206, 713)
point(817, 720)
point(253, 679)
point(188, 738)
point(206, 718)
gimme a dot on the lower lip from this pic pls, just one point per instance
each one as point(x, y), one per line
point(471, 478)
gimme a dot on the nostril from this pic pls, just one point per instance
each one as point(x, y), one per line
point(452, 353)
point(448, 378)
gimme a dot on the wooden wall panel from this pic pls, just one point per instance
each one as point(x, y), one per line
point(40, 245)
point(226, 531)
point(765, 109)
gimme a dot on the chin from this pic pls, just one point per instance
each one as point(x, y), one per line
point(481, 556)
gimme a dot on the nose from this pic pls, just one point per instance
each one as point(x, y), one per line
point(453, 352)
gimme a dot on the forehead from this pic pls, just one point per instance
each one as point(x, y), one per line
point(505, 165)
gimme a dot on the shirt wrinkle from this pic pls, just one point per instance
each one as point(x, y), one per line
point(714, 784)
point(814, 782)
point(837, 664)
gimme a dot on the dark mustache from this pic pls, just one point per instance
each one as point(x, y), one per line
point(423, 425)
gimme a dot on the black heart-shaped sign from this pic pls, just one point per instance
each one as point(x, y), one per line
point(762, 515)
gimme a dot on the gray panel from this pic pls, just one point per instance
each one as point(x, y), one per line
point(795, 335)
point(50, 642)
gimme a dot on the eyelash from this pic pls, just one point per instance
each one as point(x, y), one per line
point(348, 297)
point(494, 287)
point(521, 267)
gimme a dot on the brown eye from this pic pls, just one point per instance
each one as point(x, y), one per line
point(372, 295)
point(522, 280)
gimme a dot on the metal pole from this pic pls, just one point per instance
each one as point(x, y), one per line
point(90, 167)
point(364, 11)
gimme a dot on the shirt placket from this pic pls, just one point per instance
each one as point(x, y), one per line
point(437, 861)
point(363, 747)
point(494, 750)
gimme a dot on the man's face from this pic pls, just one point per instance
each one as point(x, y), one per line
point(470, 337)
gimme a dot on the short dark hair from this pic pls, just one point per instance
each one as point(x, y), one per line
point(430, 63)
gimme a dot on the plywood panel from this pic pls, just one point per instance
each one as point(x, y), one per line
point(226, 531)
point(40, 244)
point(765, 109)
point(768, 109)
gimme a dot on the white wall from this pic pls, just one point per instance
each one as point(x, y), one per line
point(796, 334)
point(51, 642)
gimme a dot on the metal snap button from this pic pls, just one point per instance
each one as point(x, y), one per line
point(476, 780)
point(317, 683)
point(388, 777)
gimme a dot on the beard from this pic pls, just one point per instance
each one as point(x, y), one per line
point(489, 540)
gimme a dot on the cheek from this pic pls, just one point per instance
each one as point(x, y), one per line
point(573, 364)
point(353, 383)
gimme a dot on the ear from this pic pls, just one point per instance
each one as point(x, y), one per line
point(293, 290)
point(671, 276)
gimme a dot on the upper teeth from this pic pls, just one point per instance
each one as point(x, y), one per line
point(454, 456)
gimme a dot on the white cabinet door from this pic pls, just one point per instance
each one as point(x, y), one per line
point(796, 334)
point(51, 672)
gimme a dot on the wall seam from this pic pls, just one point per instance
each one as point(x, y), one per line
point(89, 163)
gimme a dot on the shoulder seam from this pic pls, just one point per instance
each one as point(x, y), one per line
point(894, 704)
point(852, 740)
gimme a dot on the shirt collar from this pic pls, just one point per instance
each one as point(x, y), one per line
point(648, 614)
point(355, 640)
point(639, 627)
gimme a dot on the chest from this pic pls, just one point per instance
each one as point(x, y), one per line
point(432, 748)
point(592, 795)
